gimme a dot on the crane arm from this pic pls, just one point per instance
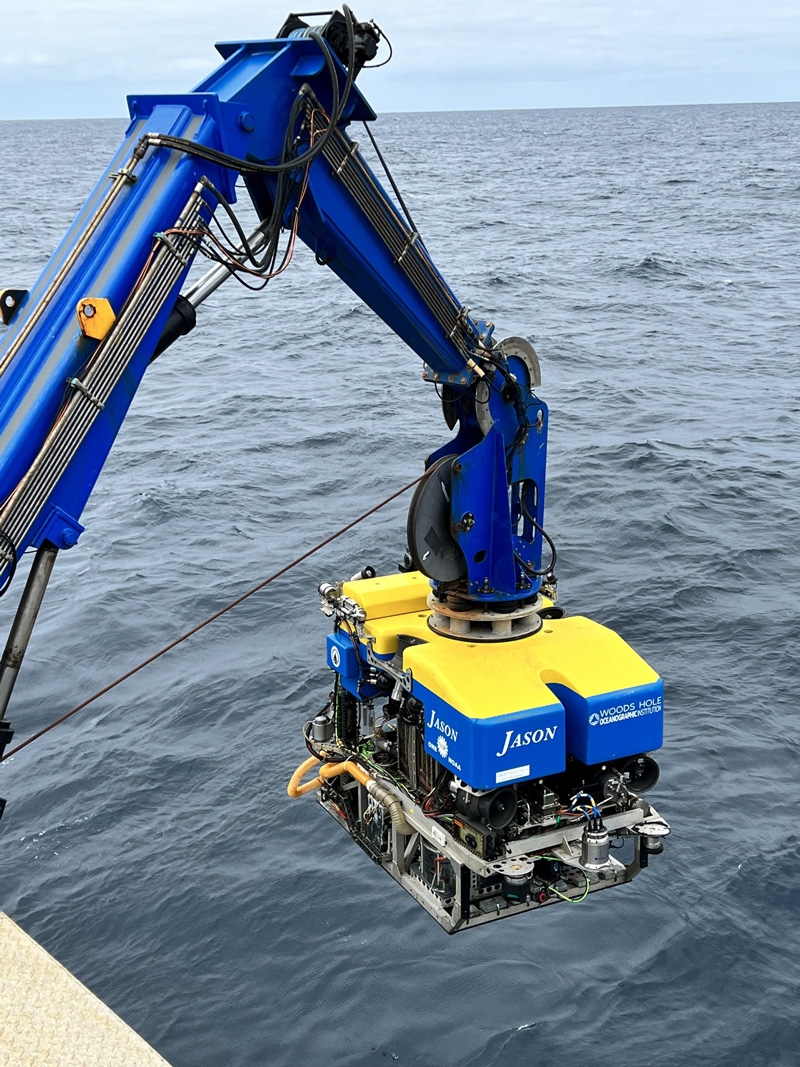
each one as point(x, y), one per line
point(277, 114)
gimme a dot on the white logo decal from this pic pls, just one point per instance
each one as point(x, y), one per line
point(336, 659)
point(444, 756)
point(530, 737)
point(435, 723)
point(621, 712)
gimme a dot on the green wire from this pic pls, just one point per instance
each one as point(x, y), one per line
point(572, 900)
point(382, 770)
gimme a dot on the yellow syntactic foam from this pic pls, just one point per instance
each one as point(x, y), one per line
point(485, 679)
point(392, 594)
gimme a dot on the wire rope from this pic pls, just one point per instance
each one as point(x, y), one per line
point(211, 618)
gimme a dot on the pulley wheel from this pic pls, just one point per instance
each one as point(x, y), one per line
point(433, 548)
point(519, 348)
point(521, 357)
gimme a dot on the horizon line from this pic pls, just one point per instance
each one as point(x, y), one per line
point(461, 111)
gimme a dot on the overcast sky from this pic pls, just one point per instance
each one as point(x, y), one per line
point(79, 58)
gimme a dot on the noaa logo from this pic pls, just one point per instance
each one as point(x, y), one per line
point(441, 746)
point(594, 719)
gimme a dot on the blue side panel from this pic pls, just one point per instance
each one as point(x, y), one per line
point(612, 725)
point(342, 656)
point(480, 489)
point(528, 469)
point(486, 753)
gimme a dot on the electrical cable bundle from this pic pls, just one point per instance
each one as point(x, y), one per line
point(404, 242)
point(291, 173)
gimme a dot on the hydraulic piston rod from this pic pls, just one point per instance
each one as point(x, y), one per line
point(214, 278)
point(24, 620)
point(182, 319)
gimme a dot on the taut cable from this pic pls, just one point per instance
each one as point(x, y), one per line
point(210, 619)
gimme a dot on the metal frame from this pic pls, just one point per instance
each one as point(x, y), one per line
point(24, 620)
point(471, 907)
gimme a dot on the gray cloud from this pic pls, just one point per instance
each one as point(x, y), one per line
point(81, 58)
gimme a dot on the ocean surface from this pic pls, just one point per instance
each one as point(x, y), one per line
point(651, 256)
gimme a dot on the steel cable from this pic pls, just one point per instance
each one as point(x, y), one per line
point(206, 622)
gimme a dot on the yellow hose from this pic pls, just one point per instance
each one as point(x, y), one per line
point(294, 789)
point(331, 770)
point(383, 795)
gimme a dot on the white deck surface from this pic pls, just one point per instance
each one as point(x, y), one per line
point(49, 1019)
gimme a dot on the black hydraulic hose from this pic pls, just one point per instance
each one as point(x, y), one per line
point(369, 196)
point(248, 166)
point(529, 570)
point(388, 174)
point(390, 226)
point(285, 167)
point(374, 66)
point(221, 199)
point(551, 544)
point(272, 229)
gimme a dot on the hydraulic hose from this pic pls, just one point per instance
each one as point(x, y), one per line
point(250, 166)
point(551, 545)
point(294, 788)
point(384, 796)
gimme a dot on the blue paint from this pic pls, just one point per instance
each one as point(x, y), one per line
point(342, 656)
point(612, 725)
point(242, 108)
point(486, 753)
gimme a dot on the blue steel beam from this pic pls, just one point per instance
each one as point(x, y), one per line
point(242, 109)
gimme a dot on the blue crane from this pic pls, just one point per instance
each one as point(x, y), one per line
point(468, 713)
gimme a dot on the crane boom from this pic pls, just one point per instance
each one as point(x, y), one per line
point(240, 112)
